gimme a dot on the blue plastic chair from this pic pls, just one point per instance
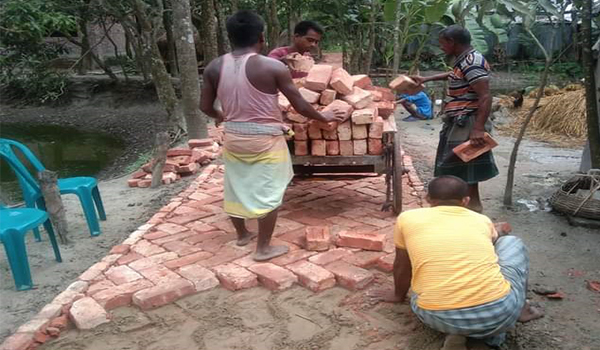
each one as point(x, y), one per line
point(14, 225)
point(86, 188)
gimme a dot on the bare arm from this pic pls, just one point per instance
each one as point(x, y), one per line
point(402, 274)
point(482, 88)
point(421, 80)
point(209, 91)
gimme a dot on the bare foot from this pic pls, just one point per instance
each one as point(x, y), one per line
point(245, 239)
point(455, 342)
point(530, 313)
point(271, 252)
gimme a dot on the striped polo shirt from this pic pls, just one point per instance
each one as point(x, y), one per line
point(469, 68)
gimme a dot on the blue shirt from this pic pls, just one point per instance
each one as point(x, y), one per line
point(422, 101)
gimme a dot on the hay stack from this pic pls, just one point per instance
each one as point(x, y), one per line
point(562, 114)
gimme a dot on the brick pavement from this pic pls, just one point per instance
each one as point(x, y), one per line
point(188, 246)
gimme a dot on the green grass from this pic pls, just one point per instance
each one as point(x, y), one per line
point(143, 158)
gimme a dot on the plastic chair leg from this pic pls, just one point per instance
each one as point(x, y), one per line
point(99, 205)
point(36, 231)
point(87, 203)
point(14, 244)
point(50, 230)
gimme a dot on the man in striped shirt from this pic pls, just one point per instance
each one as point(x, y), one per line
point(466, 112)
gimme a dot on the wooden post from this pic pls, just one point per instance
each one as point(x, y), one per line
point(160, 157)
point(54, 205)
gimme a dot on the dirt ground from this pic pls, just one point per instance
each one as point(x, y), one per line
point(562, 257)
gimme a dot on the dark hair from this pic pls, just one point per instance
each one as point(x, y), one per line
point(448, 187)
point(303, 27)
point(457, 34)
point(244, 28)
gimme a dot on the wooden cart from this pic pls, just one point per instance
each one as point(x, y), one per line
point(389, 163)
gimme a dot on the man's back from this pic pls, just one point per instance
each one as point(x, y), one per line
point(454, 264)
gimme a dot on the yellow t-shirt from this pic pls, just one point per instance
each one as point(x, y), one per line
point(454, 264)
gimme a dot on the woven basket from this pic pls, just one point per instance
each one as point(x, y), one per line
point(565, 199)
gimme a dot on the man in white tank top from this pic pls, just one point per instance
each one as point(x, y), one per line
point(257, 162)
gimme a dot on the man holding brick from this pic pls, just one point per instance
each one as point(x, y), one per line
point(258, 165)
point(465, 113)
point(467, 279)
point(307, 35)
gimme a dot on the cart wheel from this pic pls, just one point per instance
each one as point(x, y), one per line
point(397, 171)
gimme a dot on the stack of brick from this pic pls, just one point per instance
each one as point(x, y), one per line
point(366, 108)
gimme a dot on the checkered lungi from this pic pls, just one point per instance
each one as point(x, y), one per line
point(488, 321)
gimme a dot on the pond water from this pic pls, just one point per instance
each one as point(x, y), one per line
point(67, 150)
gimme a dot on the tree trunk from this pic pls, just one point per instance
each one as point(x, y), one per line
point(190, 84)
point(366, 68)
point(160, 156)
point(415, 64)
point(590, 84)
point(54, 205)
point(85, 63)
point(272, 25)
point(510, 178)
point(224, 46)
point(168, 24)
point(234, 6)
point(209, 31)
point(397, 52)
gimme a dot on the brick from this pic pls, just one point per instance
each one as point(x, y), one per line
point(359, 98)
point(181, 248)
point(309, 96)
point(389, 125)
point(299, 82)
point(201, 143)
point(144, 183)
point(145, 248)
point(312, 276)
point(292, 257)
point(346, 148)
point(284, 103)
point(120, 249)
point(314, 131)
point(329, 126)
point(163, 294)
point(187, 218)
point(405, 85)
point(118, 296)
point(301, 148)
point(248, 260)
point(273, 277)
point(224, 255)
point(344, 131)
point(364, 116)
point(179, 151)
point(364, 259)
point(86, 313)
point(329, 256)
point(386, 93)
point(341, 81)
point(317, 238)
point(128, 258)
point(332, 148)
point(202, 278)
point(33, 325)
point(133, 182)
point(159, 274)
point(386, 263)
point(374, 147)
point(138, 174)
point(40, 337)
point(94, 271)
point(360, 147)
point(300, 132)
point(359, 131)
point(187, 260)
point(331, 135)
point(204, 236)
point(376, 129)
point(199, 156)
point(53, 331)
point(49, 311)
point(367, 241)
point(155, 235)
point(100, 286)
point(122, 274)
point(327, 96)
point(296, 117)
point(297, 237)
point(318, 147)
point(234, 277)
point(191, 168)
point(362, 81)
point(318, 77)
point(18, 341)
point(61, 322)
point(349, 276)
point(169, 177)
point(171, 228)
point(340, 105)
point(152, 260)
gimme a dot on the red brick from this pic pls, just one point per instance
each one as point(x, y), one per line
point(318, 77)
point(155, 235)
point(312, 276)
point(181, 248)
point(386, 93)
point(317, 238)
point(187, 260)
point(344, 131)
point(300, 132)
point(386, 263)
point(179, 151)
point(187, 218)
point(120, 249)
point(144, 183)
point(203, 236)
point(130, 257)
point(362, 81)
point(327, 96)
point(318, 148)
point(375, 147)
point(297, 237)
point(292, 257)
point(360, 147)
point(284, 103)
point(201, 143)
point(385, 108)
point(314, 131)
point(341, 81)
point(120, 295)
point(163, 293)
point(99, 286)
point(365, 116)
point(133, 182)
point(309, 96)
point(53, 331)
point(234, 277)
point(61, 322)
point(367, 241)
point(332, 148)
point(152, 260)
point(329, 256)
point(169, 177)
point(199, 226)
point(138, 174)
point(145, 248)
point(159, 274)
point(350, 277)
point(202, 278)
point(93, 271)
point(364, 259)
point(222, 256)
point(273, 277)
point(346, 148)
point(199, 156)
point(245, 261)
point(122, 274)
point(359, 98)
point(86, 313)
point(171, 228)
point(377, 95)
point(41, 337)
point(18, 341)
point(301, 148)
point(405, 85)
point(296, 117)
point(191, 168)
point(376, 129)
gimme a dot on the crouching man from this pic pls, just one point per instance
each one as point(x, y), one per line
point(467, 279)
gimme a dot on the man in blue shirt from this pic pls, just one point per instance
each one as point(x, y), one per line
point(418, 105)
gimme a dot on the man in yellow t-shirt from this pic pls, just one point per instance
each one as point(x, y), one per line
point(468, 280)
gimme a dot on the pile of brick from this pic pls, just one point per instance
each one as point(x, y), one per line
point(182, 161)
point(366, 110)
